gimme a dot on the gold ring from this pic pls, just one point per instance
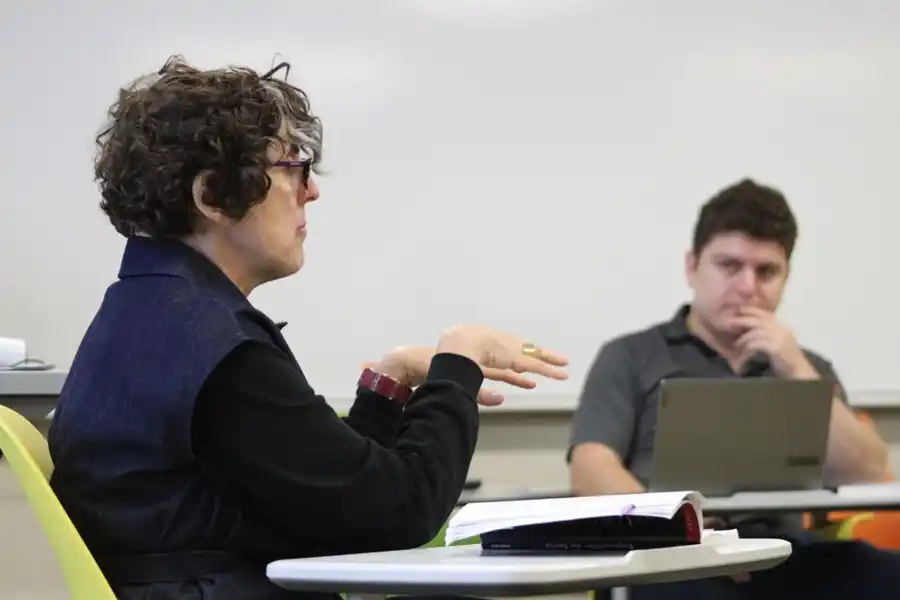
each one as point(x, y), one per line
point(531, 349)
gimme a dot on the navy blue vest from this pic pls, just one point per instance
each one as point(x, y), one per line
point(121, 436)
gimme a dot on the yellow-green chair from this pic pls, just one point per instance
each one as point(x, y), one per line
point(25, 449)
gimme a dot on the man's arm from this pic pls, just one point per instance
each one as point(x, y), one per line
point(855, 453)
point(603, 425)
point(596, 469)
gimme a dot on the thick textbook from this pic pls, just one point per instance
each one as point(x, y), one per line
point(613, 523)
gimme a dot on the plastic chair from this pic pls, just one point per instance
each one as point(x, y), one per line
point(26, 451)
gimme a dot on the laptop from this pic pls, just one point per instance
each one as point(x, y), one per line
point(725, 436)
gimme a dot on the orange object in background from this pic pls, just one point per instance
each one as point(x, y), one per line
point(879, 528)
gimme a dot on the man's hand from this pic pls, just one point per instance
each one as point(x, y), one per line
point(713, 523)
point(763, 333)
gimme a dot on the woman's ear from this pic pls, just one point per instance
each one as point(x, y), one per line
point(202, 196)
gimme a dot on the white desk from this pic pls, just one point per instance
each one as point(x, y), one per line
point(31, 393)
point(460, 570)
point(885, 496)
point(505, 493)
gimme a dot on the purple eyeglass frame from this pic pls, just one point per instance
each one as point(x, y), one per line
point(296, 164)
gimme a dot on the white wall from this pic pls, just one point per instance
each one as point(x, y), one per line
point(537, 164)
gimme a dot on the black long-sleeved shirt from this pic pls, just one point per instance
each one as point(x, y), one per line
point(380, 478)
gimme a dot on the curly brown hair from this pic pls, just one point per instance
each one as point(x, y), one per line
point(747, 207)
point(165, 129)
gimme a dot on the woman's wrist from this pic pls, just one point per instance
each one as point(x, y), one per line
point(457, 341)
point(394, 366)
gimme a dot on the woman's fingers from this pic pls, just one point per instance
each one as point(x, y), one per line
point(489, 398)
point(552, 358)
point(539, 366)
point(508, 376)
point(531, 358)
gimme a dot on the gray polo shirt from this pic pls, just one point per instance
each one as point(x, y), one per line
point(619, 400)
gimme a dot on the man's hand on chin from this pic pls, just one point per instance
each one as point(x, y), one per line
point(764, 334)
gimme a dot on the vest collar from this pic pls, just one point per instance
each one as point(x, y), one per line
point(147, 257)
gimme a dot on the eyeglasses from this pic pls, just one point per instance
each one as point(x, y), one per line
point(303, 165)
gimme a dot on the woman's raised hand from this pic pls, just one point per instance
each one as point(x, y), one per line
point(502, 357)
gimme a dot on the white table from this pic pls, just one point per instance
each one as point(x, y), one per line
point(502, 494)
point(33, 394)
point(883, 496)
point(464, 570)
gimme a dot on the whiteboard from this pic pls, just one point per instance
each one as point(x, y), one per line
point(532, 165)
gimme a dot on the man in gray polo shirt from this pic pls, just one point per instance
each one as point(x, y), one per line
point(737, 267)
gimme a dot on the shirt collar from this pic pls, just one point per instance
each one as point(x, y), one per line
point(676, 330)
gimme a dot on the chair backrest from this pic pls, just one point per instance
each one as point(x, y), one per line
point(26, 451)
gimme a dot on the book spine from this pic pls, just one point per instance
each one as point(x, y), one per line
point(693, 529)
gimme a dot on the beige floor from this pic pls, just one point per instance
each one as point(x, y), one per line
point(28, 568)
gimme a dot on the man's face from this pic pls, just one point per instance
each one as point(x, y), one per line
point(733, 271)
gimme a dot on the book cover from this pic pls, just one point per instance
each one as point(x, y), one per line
point(614, 534)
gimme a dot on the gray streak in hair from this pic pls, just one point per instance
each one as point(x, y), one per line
point(300, 130)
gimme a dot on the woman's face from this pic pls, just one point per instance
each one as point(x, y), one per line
point(271, 235)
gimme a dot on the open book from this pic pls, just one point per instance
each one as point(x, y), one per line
point(588, 523)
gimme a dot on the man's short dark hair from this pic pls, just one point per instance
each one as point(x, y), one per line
point(758, 211)
point(166, 128)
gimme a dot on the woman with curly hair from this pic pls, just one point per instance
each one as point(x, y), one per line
point(189, 448)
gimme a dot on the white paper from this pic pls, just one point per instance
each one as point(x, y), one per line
point(477, 518)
